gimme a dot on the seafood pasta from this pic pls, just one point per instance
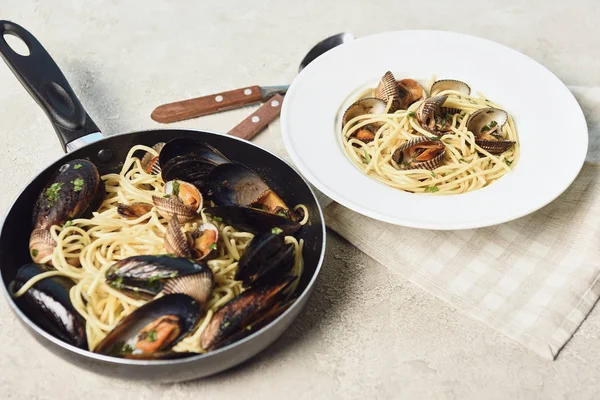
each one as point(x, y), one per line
point(447, 143)
point(141, 264)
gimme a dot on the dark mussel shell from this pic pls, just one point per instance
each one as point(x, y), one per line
point(146, 276)
point(252, 220)
point(237, 185)
point(190, 160)
point(241, 312)
point(75, 191)
point(48, 304)
point(183, 313)
point(267, 257)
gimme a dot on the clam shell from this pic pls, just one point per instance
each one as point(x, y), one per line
point(495, 146)
point(198, 286)
point(416, 90)
point(484, 117)
point(429, 164)
point(150, 162)
point(428, 110)
point(388, 89)
point(133, 210)
point(41, 244)
point(175, 240)
point(369, 105)
point(449, 84)
point(168, 207)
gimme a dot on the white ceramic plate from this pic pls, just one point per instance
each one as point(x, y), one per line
point(552, 128)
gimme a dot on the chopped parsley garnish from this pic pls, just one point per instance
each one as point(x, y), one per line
point(34, 252)
point(226, 324)
point(173, 274)
point(176, 188)
point(154, 278)
point(117, 282)
point(485, 128)
point(249, 327)
point(462, 160)
point(68, 223)
point(77, 166)
point(120, 348)
point(218, 219)
point(52, 192)
point(433, 174)
point(412, 114)
point(213, 246)
point(493, 124)
point(77, 184)
point(367, 156)
point(167, 196)
point(431, 189)
point(276, 230)
point(152, 335)
point(281, 214)
point(508, 162)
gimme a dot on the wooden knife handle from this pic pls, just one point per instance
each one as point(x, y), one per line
point(213, 103)
point(256, 122)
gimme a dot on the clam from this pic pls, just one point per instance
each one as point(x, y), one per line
point(190, 160)
point(146, 276)
point(75, 191)
point(48, 304)
point(237, 185)
point(197, 245)
point(181, 198)
point(388, 89)
point(241, 312)
point(417, 92)
point(368, 105)
point(153, 328)
point(134, 210)
point(433, 117)
point(486, 125)
point(150, 163)
point(252, 220)
point(420, 153)
point(267, 257)
point(449, 84)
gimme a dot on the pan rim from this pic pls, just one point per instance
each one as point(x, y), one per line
point(150, 363)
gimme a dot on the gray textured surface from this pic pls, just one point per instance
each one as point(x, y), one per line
point(366, 333)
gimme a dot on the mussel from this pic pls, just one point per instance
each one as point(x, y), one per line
point(181, 199)
point(75, 191)
point(252, 220)
point(486, 124)
point(133, 210)
point(146, 276)
point(389, 89)
point(150, 163)
point(48, 304)
point(242, 312)
point(153, 328)
point(197, 245)
point(449, 84)
point(237, 185)
point(420, 153)
point(190, 160)
point(267, 257)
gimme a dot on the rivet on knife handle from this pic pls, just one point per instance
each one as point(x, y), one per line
point(256, 122)
point(192, 108)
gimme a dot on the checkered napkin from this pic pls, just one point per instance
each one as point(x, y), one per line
point(534, 279)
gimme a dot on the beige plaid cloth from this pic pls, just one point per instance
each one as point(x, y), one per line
point(534, 279)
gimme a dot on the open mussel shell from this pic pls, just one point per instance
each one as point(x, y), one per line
point(267, 257)
point(155, 327)
point(495, 146)
point(449, 84)
point(420, 153)
point(150, 163)
point(369, 105)
point(241, 312)
point(48, 304)
point(486, 121)
point(75, 191)
point(145, 276)
point(237, 185)
point(252, 220)
point(416, 90)
point(190, 160)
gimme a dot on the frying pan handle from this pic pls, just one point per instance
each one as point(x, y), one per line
point(45, 82)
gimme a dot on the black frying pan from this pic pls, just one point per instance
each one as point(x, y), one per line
point(81, 137)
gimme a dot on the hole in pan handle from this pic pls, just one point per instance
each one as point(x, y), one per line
point(45, 82)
